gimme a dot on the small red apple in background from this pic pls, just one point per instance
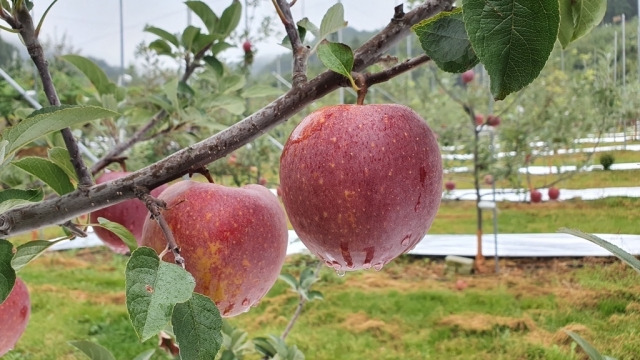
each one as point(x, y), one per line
point(233, 159)
point(527, 158)
point(467, 76)
point(361, 183)
point(461, 284)
point(479, 119)
point(131, 214)
point(536, 196)
point(488, 179)
point(493, 120)
point(262, 181)
point(279, 191)
point(450, 185)
point(246, 46)
point(554, 193)
point(233, 240)
point(14, 316)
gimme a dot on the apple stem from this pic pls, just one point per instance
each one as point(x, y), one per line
point(154, 205)
point(360, 85)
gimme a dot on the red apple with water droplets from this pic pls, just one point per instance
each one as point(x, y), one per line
point(233, 240)
point(467, 76)
point(450, 185)
point(361, 183)
point(554, 193)
point(14, 316)
point(131, 214)
point(493, 120)
point(536, 196)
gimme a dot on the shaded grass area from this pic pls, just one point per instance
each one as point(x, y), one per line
point(409, 310)
point(611, 215)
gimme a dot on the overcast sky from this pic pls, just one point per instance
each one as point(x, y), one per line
point(93, 26)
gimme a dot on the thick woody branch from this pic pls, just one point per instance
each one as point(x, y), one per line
point(300, 52)
point(59, 210)
point(24, 23)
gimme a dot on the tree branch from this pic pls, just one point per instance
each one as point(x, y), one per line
point(300, 52)
point(59, 210)
point(396, 70)
point(24, 23)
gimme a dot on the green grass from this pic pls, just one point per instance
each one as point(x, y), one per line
point(410, 310)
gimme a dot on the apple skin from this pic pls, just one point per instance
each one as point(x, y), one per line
point(467, 76)
point(14, 316)
point(450, 185)
point(131, 214)
point(479, 119)
point(361, 183)
point(536, 196)
point(493, 120)
point(233, 240)
point(246, 46)
point(554, 193)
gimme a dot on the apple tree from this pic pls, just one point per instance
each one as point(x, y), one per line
point(61, 186)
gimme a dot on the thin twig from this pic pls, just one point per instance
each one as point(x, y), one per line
point(24, 23)
point(155, 205)
point(74, 229)
point(396, 70)
point(300, 52)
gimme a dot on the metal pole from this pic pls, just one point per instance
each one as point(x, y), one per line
point(615, 57)
point(495, 211)
point(624, 82)
point(121, 46)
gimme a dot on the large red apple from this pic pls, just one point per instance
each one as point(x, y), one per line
point(361, 183)
point(131, 214)
point(536, 196)
point(467, 76)
point(554, 193)
point(450, 185)
point(14, 316)
point(233, 240)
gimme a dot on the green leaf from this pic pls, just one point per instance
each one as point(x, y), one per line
point(202, 41)
point(220, 47)
point(445, 40)
point(332, 21)
point(204, 12)
point(47, 120)
point(153, 287)
point(337, 57)
point(578, 18)
point(60, 156)
point(232, 83)
point(27, 252)
point(215, 64)
point(188, 36)
point(315, 295)
point(260, 91)
point(289, 279)
point(3, 149)
point(145, 355)
point(163, 34)
point(307, 278)
point(7, 273)
point(93, 72)
point(197, 324)
point(265, 347)
point(185, 89)
point(618, 252)
point(47, 171)
point(585, 345)
point(122, 232)
point(161, 47)
point(232, 104)
point(309, 26)
point(512, 38)
point(31, 195)
point(286, 42)
point(92, 350)
point(229, 19)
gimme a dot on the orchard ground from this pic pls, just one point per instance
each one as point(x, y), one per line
point(411, 309)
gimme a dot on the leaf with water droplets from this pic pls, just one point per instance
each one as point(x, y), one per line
point(197, 325)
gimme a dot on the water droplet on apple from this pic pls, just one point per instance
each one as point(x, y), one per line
point(245, 302)
point(366, 265)
point(340, 273)
point(328, 263)
point(405, 240)
point(337, 266)
point(378, 266)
